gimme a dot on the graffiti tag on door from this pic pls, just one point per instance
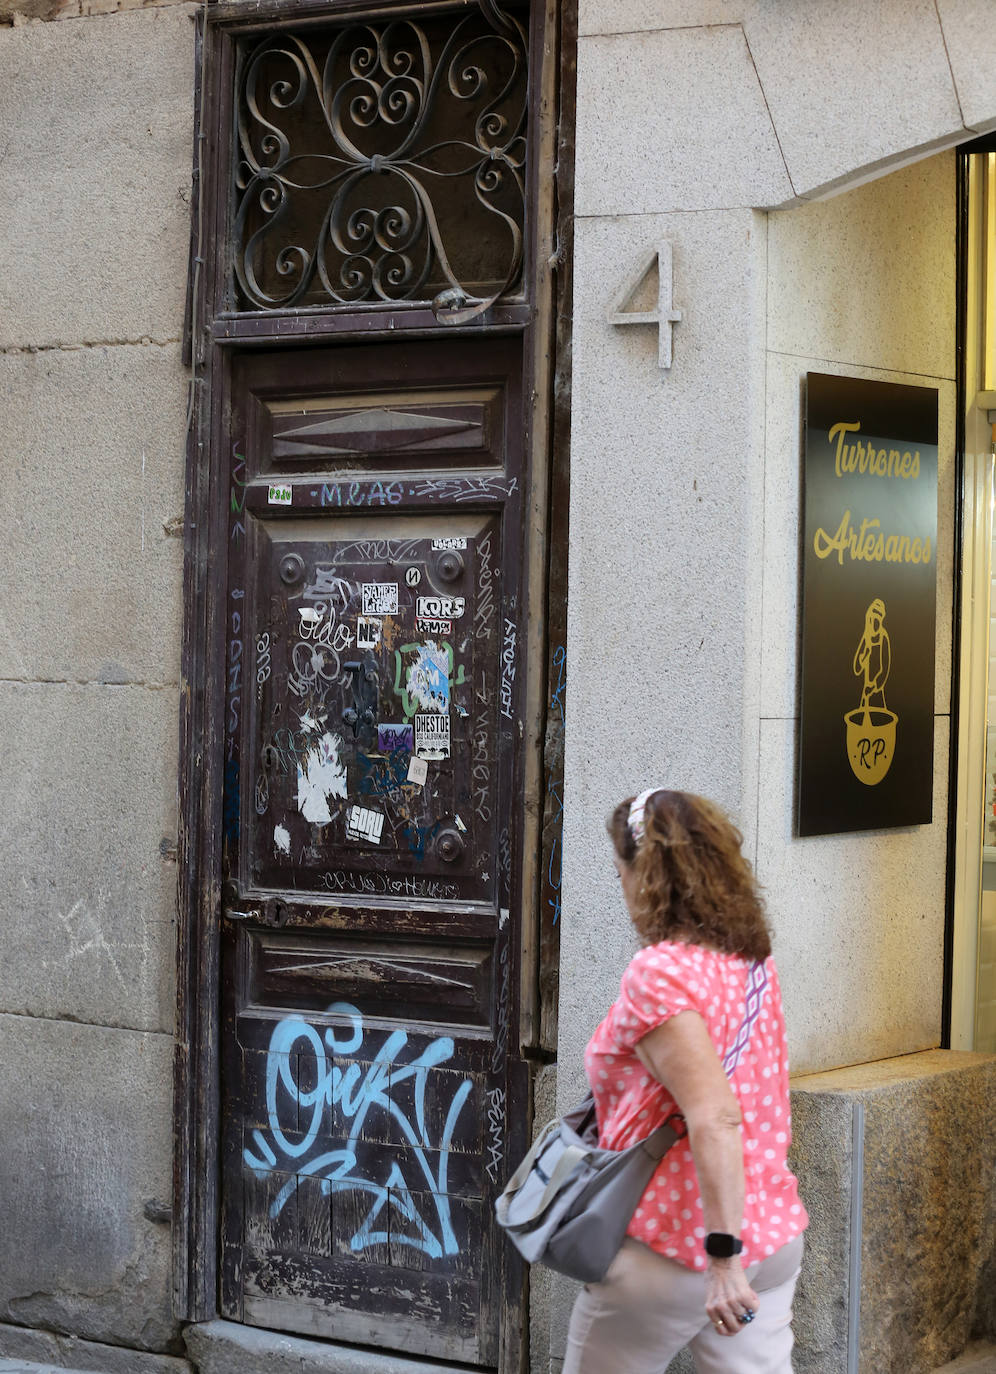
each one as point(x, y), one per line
point(360, 1089)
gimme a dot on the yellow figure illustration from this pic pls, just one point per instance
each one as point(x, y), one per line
point(871, 729)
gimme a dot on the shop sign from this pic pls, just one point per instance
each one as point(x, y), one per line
point(869, 605)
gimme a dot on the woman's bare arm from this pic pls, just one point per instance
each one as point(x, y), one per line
point(681, 1055)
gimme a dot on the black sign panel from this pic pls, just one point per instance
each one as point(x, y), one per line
point(869, 605)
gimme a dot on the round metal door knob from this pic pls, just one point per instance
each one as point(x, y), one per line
point(450, 846)
point(291, 568)
point(450, 566)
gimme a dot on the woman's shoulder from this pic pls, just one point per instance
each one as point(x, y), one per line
point(685, 954)
point(671, 960)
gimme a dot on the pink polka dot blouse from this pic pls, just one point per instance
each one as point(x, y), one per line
point(661, 981)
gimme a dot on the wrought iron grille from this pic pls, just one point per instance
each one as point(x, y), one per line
point(383, 162)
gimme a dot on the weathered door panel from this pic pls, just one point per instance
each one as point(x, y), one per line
point(372, 934)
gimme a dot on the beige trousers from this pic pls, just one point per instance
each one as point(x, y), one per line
point(647, 1308)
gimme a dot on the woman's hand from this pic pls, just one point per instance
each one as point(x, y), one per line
point(729, 1296)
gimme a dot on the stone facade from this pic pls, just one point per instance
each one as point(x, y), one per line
point(95, 220)
point(798, 159)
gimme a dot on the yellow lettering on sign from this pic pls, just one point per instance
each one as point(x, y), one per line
point(867, 460)
point(869, 544)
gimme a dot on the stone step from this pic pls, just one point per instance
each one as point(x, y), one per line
point(24, 1350)
point(220, 1347)
point(19, 1366)
point(26, 1367)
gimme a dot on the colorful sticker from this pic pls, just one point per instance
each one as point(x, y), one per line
point(380, 598)
point(449, 544)
point(434, 627)
point(393, 737)
point(432, 736)
point(364, 824)
point(280, 496)
point(368, 632)
point(439, 607)
point(418, 771)
point(429, 679)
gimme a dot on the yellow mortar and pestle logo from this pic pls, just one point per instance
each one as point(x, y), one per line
point(871, 743)
point(871, 727)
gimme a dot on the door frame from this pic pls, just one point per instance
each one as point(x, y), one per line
point(543, 316)
point(970, 685)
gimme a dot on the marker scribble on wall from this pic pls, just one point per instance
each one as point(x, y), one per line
point(360, 1090)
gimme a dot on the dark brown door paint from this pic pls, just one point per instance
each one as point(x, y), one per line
point(372, 1088)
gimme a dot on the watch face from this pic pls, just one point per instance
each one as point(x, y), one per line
point(722, 1246)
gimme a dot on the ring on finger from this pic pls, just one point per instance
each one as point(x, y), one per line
point(720, 1324)
point(746, 1316)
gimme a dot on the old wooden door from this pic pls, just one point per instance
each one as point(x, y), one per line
point(371, 1085)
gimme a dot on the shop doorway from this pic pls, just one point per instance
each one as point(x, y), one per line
point(972, 1009)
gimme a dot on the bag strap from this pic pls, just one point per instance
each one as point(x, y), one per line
point(660, 1139)
point(757, 985)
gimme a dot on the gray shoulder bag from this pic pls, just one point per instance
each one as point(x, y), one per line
point(569, 1203)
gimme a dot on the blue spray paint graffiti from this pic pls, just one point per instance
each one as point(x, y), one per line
point(418, 836)
point(557, 698)
point(358, 1094)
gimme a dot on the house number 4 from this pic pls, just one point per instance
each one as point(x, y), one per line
point(664, 314)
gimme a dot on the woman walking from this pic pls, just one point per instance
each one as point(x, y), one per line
point(713, 1251)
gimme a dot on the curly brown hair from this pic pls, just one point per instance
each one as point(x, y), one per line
point(693, 883)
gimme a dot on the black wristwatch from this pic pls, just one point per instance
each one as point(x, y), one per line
point(722, 1246)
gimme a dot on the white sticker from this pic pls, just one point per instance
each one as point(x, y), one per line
point(459, 824)
point(363, 824)
point(367, 632)
point(281, 839)
point(418, 771)
point(449, 544)
point(432, 735)
point(413, 576)
point(436, 607)
point(321, 775)
point(434, 627)
point(280, 496)
point(380, 598)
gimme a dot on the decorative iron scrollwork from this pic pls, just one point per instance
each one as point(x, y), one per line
point(383, 162)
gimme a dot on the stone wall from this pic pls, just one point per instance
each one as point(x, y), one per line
point(907, 1276)
point(685, 482)
point(94, 216)
point(794, 158)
